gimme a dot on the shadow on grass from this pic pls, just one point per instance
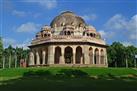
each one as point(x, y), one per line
point(66, 80)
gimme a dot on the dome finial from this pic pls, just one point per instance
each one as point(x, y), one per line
point(68, 11)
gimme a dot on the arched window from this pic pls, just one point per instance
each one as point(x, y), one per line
point(57, 55)
point(83, 33)
point(79, 55)
point(68, 33)
point(65, 33)
point(48, 35)
point(91, 35)
point(87, 34)
point(96, 56)
point(72, 33)
point(102, 56)
point(68, 55)
point(45, 35)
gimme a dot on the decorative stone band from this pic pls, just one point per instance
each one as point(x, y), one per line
point(63, 38)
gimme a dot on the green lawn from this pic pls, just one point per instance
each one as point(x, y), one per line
point(68, 79)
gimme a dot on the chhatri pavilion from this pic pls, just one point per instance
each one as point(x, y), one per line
point(68, 41)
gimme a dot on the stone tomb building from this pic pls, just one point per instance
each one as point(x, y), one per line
point(68, 41)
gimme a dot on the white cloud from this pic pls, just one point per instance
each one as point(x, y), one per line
point(90, 17)
point(19, 13)
point(119, 22)
point(24, 14)
point(106, 34)
point(23, 45)
point(14, 43)
point(8, 41)
point(28, 27)
point(127, 43)
point(103, 33)
point(132, 28)
point(48, 4)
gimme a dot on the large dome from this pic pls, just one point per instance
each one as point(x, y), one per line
point(67, 18)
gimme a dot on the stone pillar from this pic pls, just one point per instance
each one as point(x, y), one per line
point(86, 55)
point(93, 57)
point(106, 61)
point(43, 57)
point(51, 51)
point(61, 60)
point(31, 59)
point(37, 58)
point(74, 55)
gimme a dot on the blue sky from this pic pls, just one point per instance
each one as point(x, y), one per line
point(115, 20)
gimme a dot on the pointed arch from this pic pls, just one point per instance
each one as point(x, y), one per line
point(57, 55)
point(102, 56)
point(96, 56)
point(68, 55)
point(79, 55)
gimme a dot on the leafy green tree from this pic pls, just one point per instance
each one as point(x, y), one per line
point(1, 52)
point(121, 56)
point(131, 51)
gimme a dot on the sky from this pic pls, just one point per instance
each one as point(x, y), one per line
point(115, 20)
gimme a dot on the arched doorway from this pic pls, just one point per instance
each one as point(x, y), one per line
point(102, 56)
point(96, 56)
point(79, 55)
point(91, 55)
point(57, 55)
point(68, 55)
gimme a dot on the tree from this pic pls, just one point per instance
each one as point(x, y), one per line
point(111, 56)
point(131, 51)
point(1, 52)
point(10, 54)
point(121, 56)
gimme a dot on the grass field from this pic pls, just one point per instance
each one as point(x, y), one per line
point(68, 79)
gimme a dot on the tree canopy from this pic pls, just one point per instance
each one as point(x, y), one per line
point(1, 51)
point(118, 54)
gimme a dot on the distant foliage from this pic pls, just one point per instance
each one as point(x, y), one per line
point(10, 57)
point(118, 53)
point(1, 51)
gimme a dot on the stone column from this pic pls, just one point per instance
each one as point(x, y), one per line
point(93, 60)
point(31, 59)
point(74, 55)
point(86, 55)
point(51, 51)
point(37, 58)
point(106, 61)
point(43, 57)
point(61, 60)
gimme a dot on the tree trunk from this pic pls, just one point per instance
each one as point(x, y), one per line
point(10, 61)
point(3, 62)
point(15, 61)
point(135, 63)
point(115, 63)
point(126, 63)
